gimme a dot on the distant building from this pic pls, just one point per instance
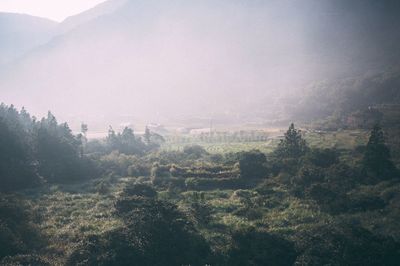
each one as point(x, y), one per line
point(157, 128)
point(198, 131)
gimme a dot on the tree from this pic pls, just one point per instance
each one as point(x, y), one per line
point(124, 142)
point(147, 136)
point(252, 164)
point(293, 145)
point(84, 129)
point(16, 170)
point(377, 158)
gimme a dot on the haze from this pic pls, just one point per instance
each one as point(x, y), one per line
point(164, 61)
point(56, 10)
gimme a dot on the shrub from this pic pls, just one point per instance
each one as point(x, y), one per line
point(154, 233)
point(140, 190)
point(323, 157)
point(17, 232)
point(343, 244)
point(252, 164)
point(194, 151)
point(251, 247)
point(30, 259)
point(214, 183)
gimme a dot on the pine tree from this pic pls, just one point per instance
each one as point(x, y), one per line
point(377, 155)
point(147, 136)
point(293, 145)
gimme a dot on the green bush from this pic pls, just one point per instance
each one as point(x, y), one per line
point(343, 244)
point(214, 183)
point(139, 190)
point(252, 164)
point(251, 247)
point(30, 259)
point(154, 233)
point(322, 157)
point(18, 234)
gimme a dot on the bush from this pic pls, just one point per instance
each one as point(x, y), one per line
point(323, 157)
point(343, 244)
point(30, 259)
point(194, 151)
point(17, 232)
point(253, 247)
point(154, 233)
point(252, 164)
point(138, 170)
point(214, 183)
point(140, 190)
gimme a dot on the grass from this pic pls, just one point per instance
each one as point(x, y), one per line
point(68, 213)
point(345, 139)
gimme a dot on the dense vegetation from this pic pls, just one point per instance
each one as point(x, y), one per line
point(122, 200)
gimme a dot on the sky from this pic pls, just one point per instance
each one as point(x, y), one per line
point(56, 10)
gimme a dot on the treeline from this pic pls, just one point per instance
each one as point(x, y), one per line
point(33, 152)
point(36, 151)
point(158, 229)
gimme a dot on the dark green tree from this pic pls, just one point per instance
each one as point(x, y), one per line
point(16, 170)
point(147, 136)
point(125, 142)
point(377, 158)
point(293, 145)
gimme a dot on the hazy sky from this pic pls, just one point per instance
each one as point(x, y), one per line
point(53, 9)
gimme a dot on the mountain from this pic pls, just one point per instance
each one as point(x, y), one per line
point(163, 60)
point(21, 33)
point(101, 9)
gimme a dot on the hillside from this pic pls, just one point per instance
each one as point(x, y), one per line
point(21, 33)
point(167, 59)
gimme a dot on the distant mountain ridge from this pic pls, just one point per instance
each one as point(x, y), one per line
point(165, 59)
point(101, 9)
point(20, 33)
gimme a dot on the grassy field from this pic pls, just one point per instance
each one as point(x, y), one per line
point(346, 140)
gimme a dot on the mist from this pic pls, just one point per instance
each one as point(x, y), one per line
point(164, 61)
point(201, 132)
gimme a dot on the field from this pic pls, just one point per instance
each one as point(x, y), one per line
point(344, 140)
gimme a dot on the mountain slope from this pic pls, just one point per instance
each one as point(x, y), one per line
point(102, 9)
point(164, 59)
point(21, 33)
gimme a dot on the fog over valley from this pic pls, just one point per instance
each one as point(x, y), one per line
point(164, 61)
point(200, 132)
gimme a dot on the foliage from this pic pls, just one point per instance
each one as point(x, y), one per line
point(17, 233)
point(251, 247)
point(343, 244)
point(293, 145)
point(323, 157)
point(124, 142)
point(31, 148)
point(377, 155)
point(194, 151)
point(16, 170)
point(154, 233)
point(252, 164)
point(140, 190)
